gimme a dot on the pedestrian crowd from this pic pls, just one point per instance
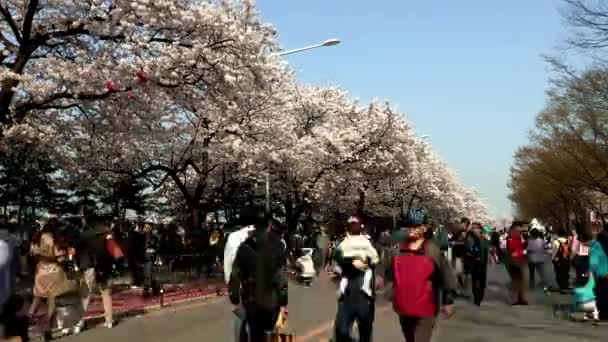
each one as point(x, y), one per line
point(65, 265)
point(429, 267)
point(421, 268)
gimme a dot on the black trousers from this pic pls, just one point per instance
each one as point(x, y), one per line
point(259, 320)
point(562, 274)
point(601, 292)
point(478, 282)
point(355, 307)
point(533, 267)
point(417, 329)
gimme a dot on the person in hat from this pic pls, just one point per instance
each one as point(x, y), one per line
point(419, 263)
point(357, 259)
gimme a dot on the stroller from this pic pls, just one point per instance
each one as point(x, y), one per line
point(305, 267)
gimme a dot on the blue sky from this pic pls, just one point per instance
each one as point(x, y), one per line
point(469, 73)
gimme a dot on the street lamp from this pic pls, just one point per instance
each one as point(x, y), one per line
point(329, 42)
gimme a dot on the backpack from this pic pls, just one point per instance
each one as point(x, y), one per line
point(474, 251)
point(416, 216)
point(442, 240)
point(563, 252)
point(413, 289)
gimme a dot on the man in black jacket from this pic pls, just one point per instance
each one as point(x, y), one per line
point(96, 265)
point(257, 282)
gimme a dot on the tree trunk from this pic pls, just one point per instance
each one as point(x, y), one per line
point(20, 210)
point(290, 217)
point(361, 203)
point(195, 217)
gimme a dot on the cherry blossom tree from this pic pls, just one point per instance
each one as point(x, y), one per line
point(191, 97)
point(185, 99)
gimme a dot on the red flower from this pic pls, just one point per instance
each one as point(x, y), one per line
point(141, 76)
point(110, 86)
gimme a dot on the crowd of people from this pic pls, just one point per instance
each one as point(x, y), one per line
point(430, 266)
point(427, 266)
point(67, 264)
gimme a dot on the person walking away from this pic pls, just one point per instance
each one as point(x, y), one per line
point(233, 242)
point(517, 265)
point(96, 264)
point(322, 244)
point(137, 254)
point(477, 259)
point(257, 282)
point(537, 258)
point(151, 243)
point(496, 251)
point(424, 284)
point(598, 266)
point(459, 252)
point(561, 260)
point(357, 259)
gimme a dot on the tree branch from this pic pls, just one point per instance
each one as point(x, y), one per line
point(32, 8)
point(11, 23)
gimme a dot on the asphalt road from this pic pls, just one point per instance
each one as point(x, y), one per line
point(312, 311)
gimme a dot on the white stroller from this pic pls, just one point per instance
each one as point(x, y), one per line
point(305, 267)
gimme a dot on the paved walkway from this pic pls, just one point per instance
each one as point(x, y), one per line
point(312, 311)
point(129, 302)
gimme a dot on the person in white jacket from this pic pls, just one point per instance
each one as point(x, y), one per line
point(233, 242)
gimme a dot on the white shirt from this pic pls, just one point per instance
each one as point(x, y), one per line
point(233, 242)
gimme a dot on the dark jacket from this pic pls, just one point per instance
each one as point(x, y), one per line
point(92, 253)
point(484, 250)
point(257, 276)
point(445, 282)
point(137, 247)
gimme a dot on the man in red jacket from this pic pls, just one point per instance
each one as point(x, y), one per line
point(516, 247)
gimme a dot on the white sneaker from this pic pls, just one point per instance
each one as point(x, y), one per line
point(76, 330)
point(108, 325)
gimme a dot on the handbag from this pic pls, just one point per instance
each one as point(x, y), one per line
point(114, 249)
point(279, 333)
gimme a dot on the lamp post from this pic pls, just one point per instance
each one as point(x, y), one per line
point(329, 42)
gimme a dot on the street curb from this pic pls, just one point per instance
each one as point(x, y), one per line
point(96, 320)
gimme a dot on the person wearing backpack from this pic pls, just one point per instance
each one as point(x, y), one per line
point(234, 240)
point(598, 265)
point(423, 284)
point(477, 259)
point(561, 260)
point(258, 286)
